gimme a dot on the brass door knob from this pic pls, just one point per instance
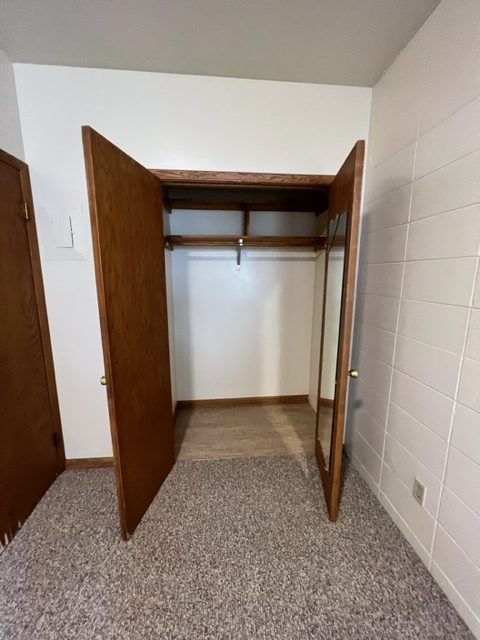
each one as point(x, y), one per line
point(103, 380)
point(353, 373)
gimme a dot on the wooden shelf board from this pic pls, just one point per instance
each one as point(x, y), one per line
point(230, 205)
point(235, 179)
point(248, 241)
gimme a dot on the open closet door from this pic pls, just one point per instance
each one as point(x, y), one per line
point(339, 293)
point(127, 225)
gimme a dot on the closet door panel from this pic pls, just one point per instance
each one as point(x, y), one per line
point(339, 294)
point(127, 226)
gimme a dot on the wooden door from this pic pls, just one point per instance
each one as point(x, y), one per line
point(126, 212)
point(31, 447)
point(339, 294)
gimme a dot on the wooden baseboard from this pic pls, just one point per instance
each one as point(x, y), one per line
point(88, 463)
point(326, 402)
point(238, 402)
point(175, 413)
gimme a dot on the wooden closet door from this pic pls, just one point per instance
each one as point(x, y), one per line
point(31, 447)
point(127, 224)
point(343, 226)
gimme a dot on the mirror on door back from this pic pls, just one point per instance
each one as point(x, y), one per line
point(334, 269)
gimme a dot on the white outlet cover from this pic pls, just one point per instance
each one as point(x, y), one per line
point(419, 491)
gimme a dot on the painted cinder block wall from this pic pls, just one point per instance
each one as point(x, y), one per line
point(415, 409)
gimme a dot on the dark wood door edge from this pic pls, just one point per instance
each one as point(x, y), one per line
point(40, 302)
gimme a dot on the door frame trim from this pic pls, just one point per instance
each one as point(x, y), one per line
point(41, 307)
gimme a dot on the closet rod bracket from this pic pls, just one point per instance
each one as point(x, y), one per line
point(239, 253)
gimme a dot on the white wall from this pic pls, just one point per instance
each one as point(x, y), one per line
point(415, 410)
point(10, 131)
point(164, 121)
point(242, 332)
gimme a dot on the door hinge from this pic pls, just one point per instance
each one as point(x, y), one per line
point(57, 440)
point(26, 213)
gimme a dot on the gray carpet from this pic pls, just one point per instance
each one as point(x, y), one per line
point(235, 548)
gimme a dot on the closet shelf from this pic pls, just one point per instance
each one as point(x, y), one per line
point(317, 242)
point(311, 205)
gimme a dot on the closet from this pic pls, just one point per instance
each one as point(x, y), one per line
point(240, 215)
point(241, 282)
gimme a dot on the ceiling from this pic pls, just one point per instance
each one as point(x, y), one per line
point(349, 42)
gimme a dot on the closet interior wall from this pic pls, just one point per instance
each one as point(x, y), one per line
point(251, 330)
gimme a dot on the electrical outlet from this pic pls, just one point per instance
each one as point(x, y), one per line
point(418, 491)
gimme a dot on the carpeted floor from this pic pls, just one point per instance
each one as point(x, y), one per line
point(230, 549)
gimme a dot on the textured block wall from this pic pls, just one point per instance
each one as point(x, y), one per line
point(415, 409)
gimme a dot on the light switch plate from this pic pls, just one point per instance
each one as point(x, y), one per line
point(62, 230)
point(62, 235)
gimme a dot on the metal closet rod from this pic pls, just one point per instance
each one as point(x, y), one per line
point(315, 242)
